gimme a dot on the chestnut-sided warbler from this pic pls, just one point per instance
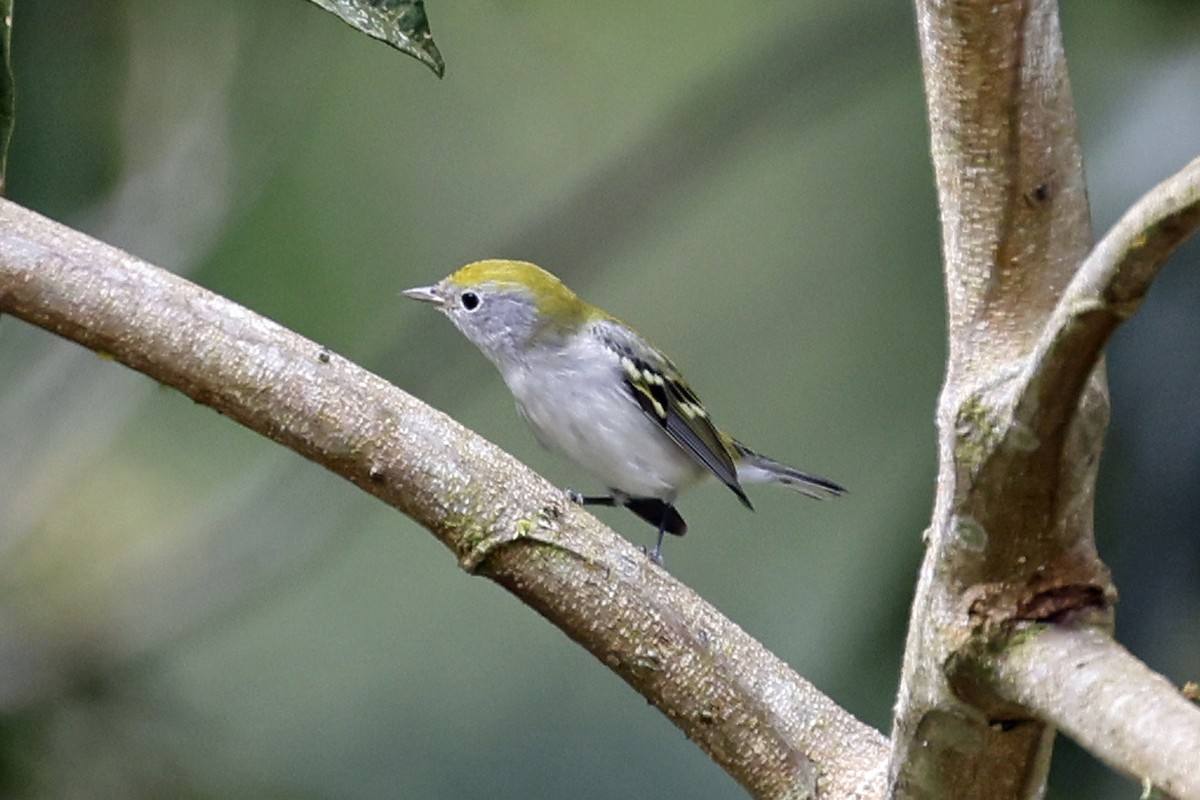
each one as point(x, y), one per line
point(593, 389)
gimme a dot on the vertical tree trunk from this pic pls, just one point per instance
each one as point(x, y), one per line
point(1011, 535)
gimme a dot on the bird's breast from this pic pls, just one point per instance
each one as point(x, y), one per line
point(582, 408)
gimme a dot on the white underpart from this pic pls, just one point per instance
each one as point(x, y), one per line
point(579, 406)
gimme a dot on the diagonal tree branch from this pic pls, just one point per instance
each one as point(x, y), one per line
point(1107, 289)
point(1083, 682)
point(765, 725)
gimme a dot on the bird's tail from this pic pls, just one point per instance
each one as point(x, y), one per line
point(754, 467)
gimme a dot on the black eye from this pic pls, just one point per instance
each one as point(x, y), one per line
point(469, 300)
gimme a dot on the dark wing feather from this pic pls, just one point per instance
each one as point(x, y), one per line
point(661, 393)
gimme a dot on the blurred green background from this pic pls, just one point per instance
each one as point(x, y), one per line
point(186, 610)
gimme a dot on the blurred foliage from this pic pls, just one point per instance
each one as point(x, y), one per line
point(185, 610)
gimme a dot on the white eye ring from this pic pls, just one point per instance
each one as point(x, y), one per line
point(469, 300)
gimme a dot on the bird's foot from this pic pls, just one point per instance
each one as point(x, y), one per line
point(654, 554)
point(581, 499)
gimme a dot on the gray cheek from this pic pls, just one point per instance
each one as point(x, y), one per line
point(489, 334)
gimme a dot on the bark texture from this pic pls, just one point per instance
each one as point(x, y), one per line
point(1108, 701)
point(1011, 534)
point(1024, 407)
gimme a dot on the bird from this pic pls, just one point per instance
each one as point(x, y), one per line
point(598, 392)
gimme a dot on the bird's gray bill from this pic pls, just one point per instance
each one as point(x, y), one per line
point(427, 294)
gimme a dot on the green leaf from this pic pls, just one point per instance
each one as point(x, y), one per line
point(6, 87)
point(400, 23)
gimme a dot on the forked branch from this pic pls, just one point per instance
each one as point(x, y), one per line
point(1023, 411)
